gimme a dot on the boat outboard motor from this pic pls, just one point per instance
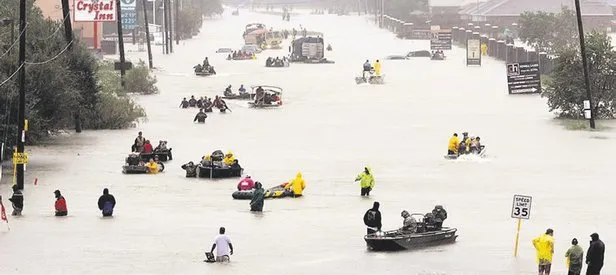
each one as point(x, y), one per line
point(133, 159)
point(440, 215)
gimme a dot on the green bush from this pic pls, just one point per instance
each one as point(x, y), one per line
point(140, 80)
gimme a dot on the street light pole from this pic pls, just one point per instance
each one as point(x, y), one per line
point(584, 62)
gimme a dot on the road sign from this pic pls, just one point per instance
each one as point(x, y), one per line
point(521, 207)
point(523, 78)
point(473, 52)
point(20, 158)
point(441, 40)
point(94, 11)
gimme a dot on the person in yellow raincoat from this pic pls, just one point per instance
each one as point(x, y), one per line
point(484, 49)
point(454, 142)
point(297, 185)
point(229, 158)
point(152, 167)
point(377, 68)
point(544, 245)
point(366, 181)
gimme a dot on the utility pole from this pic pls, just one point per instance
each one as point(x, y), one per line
point(584, 62)
point(170, 25)
point(21, 115)
point(147, 32)
point(68, 29)
point(120, 42)
point(166, 28)
point(177, 21)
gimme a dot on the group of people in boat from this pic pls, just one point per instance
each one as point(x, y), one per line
point(205, 67)
point(292, 188)
point(215, 159)
point(143, 146)
point(277, 62)
point(432, 221)
point(241, 55)
point(373, 70)
point(439, 54)
point(263, 98)
point(229, 91)
point(468, 145)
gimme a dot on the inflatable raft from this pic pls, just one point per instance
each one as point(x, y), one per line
point(274, 192)
point(162, 155)
point(213, 172)
point(134, 169)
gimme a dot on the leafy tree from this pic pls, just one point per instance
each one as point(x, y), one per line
point(566, 90)
point(548, 32)
point(212, 7)
point(139, 80)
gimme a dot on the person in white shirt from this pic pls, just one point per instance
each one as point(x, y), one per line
point(225, 248)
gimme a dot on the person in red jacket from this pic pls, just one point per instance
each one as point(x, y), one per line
point(147, 147)
point(246, 184)
point(60, 204)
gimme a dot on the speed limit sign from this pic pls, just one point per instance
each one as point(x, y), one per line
point(521, 207)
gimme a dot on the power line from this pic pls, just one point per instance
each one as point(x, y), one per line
point(53, 58)
point(11, 76)
point(14, 42)
point(60, 25)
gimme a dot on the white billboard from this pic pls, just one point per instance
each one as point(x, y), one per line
point(94, 10)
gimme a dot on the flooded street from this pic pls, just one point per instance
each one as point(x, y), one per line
point(328, 128)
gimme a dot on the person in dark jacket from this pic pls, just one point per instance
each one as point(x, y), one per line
point(200, 117)
point(191, 169)
point(17, 200)
point(256, 204)
point(372, 218)
point(106, 203)
point(594, 256)
point(60, 204)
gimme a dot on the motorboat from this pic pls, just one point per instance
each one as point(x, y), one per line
point(396, 240)
point(272, 97)
point(396, 57)
point(481, 154)
point(427, 233)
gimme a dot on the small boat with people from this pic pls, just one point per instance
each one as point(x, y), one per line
point(218, 165)
point(266, 97)
point(466, 146)
point(418, 231)
point(422, 53)
point(204, 71)
point(277, 62)
point(438, 55)
point(241, 55)
point(242, 94)
point(134, 164)
point(272, 193)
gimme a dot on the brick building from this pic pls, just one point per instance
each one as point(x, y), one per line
point(597, 14)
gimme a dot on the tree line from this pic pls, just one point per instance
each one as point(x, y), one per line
point(557, 35)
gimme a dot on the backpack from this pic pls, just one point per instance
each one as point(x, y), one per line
point(107, 207)
point(370, 218)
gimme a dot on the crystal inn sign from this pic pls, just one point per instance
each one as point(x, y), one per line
point(94, 10)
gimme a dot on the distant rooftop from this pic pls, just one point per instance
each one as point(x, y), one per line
point(492, 8)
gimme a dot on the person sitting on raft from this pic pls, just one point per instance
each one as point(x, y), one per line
point(245, 184)
point(440, 215)
point(161, 165)
point(228, 91)
point(192, 102)
point(476, 147)
point(409, 225)
point(184, 103)
point(242, 90)
point(260, 94)
point(465, 144)
point(191, 169)
point(206, 63)
point(147, 147)
point(200, 117)
point(236, 165)
point(162, 146)
point(296, 186)
point(152, 167)
point(133, 159)
point(198, 68)
point(452, 148)
point(206, 161)
point(229, 158)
